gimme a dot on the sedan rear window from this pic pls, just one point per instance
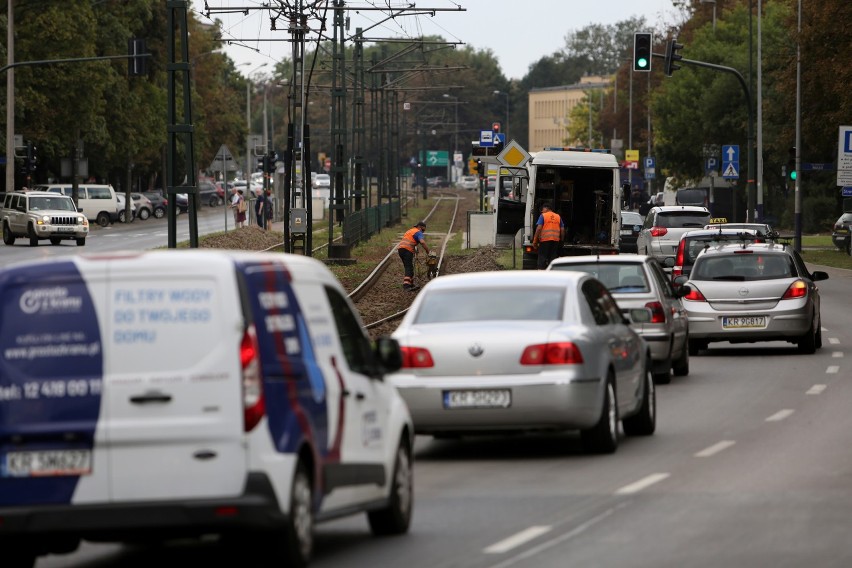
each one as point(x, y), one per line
point(626, 278)
point(679, 219)
point(446, 306)
point(744, 267)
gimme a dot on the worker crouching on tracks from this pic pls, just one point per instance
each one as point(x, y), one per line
point(406, 248)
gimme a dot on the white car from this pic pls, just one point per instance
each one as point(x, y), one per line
point(168, 394)
point(122, 210)
point(664, 226)
point(469, 182)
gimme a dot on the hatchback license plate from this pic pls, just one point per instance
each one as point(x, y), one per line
point(47, 463)
point(744, 322)
point(495, 398)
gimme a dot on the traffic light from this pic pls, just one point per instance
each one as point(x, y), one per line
point(672, 56)
point(261, 164)
point(791, 165)
point(480, 169)
point(271, 158)
point(495, 127)
point(642, 51)
point(32, 159)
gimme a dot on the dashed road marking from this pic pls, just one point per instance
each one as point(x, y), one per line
point(832, 369)
point(834, 341)
point(643, 483)
point(715, 449)
point(781, 415)
point(517, 540)
point(837, 354)
point(817, 389)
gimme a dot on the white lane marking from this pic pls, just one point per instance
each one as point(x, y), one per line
point(837, 354)
point(643, 483)
point(517, 540)
point(817, 389)
point(780, 415)
point(557, 540)
point(715, 449)
point(834, 341)
point(832, 370)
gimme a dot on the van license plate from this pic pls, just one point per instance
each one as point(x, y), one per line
point(497, 398)
point(744, 322)
point(47, 463)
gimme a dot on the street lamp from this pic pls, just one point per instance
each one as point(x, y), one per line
point(248, 118)
point(455, 133)
point(506, 129)
point(714, 10)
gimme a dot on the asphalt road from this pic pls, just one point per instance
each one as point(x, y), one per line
point(750, 466)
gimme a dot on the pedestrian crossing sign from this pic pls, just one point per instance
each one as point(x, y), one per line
point(730, 171)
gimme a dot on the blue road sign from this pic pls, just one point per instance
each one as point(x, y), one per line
point(486, 138)
point(500, 138)
point(711, 165)
point(650, 167)
point(815, 166)
point(731, 161)
point(846, 192)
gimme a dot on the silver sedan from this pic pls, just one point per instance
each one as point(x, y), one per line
point(509, 351)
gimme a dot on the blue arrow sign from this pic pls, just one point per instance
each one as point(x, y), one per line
point(731, 161)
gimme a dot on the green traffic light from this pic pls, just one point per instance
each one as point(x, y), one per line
point(793, 175)
point(642, 62)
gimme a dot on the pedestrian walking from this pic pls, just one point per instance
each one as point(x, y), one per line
point(549, 234)
point(238, 204)
point(260, 208)
point(406, 248)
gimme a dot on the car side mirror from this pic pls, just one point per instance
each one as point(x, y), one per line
point(819, 275)
point(680, 281)
point(682, 290)
point(640, 315)
point(388, 354)
point(669, 262)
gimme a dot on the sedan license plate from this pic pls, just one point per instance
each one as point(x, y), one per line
point(744, 322)
point(493, 398)
point(47, 463)
point(626, 232)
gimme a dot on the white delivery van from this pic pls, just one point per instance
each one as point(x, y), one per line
point(181, 393)
point(97, 201)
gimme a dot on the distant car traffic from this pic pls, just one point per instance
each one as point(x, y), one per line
point(469, 182)
point(437, 182)
point(487, 352)
point(762, 229)
point(751, 292)
point(663, 227)
point(638, 281)
point(631, 225)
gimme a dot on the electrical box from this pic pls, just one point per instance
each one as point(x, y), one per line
point(298, 221)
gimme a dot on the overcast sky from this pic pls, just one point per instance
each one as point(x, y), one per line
point(518, 32)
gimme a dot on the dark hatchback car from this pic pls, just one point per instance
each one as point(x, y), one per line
point(631, 225)
point(693, 242)
point(841, 232)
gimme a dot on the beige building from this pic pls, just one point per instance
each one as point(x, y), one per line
point(550, 107)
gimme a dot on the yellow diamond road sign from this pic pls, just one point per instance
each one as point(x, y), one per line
point(513, 155)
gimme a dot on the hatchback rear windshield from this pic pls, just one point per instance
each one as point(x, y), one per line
point(445, 306)
point(754, 266)
point(678, 219)
point(626, 278)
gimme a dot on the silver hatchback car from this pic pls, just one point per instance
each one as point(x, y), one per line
point(638, 281)
point(749, 292)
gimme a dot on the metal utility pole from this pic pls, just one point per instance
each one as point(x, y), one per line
point(10, 98)
point(797, 214)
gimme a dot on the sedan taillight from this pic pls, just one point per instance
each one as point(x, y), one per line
point(658, 231)
point(416, 358)
point(561, 353)
point(798, 289)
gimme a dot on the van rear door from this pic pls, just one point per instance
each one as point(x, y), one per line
point(52, 445)
point(172, 378)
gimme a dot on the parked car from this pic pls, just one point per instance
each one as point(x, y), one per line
point(159, 204)
point(638, 281)
point(841, 232)
point(122, 210)
point(321, 186)
point(144, 206)
point(631, 224)
point(437, 182)
point(487, 352)
point(275, 416)
point(751, 292)
point(663, 227)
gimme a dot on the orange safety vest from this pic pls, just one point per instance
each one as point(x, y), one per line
point(550, 228)
point(408, 241)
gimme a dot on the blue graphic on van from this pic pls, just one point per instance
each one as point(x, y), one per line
point(51, 368)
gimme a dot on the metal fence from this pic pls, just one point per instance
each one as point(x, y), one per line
point(361, 225)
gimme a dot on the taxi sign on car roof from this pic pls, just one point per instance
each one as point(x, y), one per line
point(715, 220)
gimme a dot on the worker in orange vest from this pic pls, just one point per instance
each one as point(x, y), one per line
point(409, 242)
point(549, 234)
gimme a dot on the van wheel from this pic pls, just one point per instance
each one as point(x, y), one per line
point(103, 219)
point(33, 237)
point(602, 438)
point(644, 422)
point(396, 517)
point(299, 533)
point(81, 242)
point(8, 237)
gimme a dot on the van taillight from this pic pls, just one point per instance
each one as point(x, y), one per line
point(658, 314)
point(658, 231)
point(797, 289)
point(416, 358)
point(252, 381)
point(677, 270)
point(561, 353)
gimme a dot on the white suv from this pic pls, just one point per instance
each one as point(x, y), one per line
point(664, 226)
